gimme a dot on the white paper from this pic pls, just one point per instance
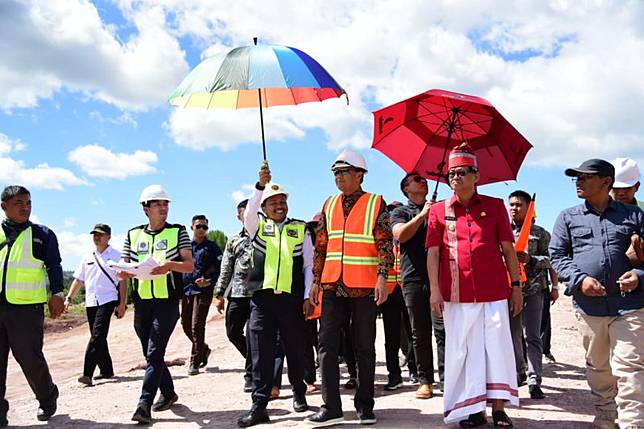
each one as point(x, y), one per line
point(140, 270)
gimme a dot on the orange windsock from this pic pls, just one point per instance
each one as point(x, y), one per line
point(521, 244)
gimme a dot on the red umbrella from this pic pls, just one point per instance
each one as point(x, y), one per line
point(418, 133)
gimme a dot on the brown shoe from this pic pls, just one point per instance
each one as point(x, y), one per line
point(275, 393)
point(424, 391)
point(311, 388)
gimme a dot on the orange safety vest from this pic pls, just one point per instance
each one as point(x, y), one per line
point(393, 278)
point(351, 252)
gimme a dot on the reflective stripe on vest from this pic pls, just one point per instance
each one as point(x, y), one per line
point(280, 248)
point(393, 278)
point(162, 247)
point(24, 277)
point(452, 246)
point(351, 247)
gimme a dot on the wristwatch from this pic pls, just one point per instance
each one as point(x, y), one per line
point(516, 283)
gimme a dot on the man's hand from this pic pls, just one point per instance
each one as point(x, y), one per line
point(516, 301)
point(628, 282)
point(264, 174)
point(124, 275)
point(313, 294)
point(68, 304)
point(436, 302)
point(120, 310)
point(308, 308)
point(201, 282)
point(554, 294)
point(161, 269)
point(56, 306)
point(380, 292)
point(523, 257)
point(591, 287)
point(425, 211)
point(220, 305)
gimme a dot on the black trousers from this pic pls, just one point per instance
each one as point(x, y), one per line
point(417, 301)
point(311, 332)
point(21, 331)
point(270, 313)
point(335, 311)
point(546, 327)
point(154, 321)
point(194, 312)
point(392, 319)
point(406, 342)
point(237, 315)
point(97, 352)
point(346, 350)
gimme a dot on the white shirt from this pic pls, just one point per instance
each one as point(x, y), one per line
point(99, 289)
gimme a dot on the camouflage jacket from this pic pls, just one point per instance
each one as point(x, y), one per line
point(235, 267)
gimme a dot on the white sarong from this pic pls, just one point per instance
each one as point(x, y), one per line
point(479, 358)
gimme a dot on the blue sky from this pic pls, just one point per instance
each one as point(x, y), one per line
point(84, 123)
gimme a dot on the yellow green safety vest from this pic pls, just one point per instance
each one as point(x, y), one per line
point(277, 261)
point(162, 246)
point(24, 278)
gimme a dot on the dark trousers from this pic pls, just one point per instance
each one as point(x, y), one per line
point(237, 314)
point(406, 342)
point(21, 331)
point(311, 332)
point(417, 301)
point(194, 312)
point(97, 352)
point(346, 347)
point(270, 313)
point(154, 321)
point(335, 311)
point(546, 328)
point(392, 319)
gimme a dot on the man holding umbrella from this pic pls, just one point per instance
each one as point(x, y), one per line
point(353, 256)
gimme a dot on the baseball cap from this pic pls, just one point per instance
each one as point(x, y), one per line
point(101, 228)
point(627, 173)
point(593, 166)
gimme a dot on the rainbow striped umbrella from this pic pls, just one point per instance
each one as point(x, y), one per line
point(256, 76)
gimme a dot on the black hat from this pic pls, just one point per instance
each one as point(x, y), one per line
point(101, 228)
point(593, 166)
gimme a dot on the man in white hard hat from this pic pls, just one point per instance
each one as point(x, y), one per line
point(627, 181)
point(280, 279)
point(156, 301)
point(353, 257)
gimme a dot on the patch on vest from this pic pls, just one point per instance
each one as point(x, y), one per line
point(161, 245)
point(269, 230)
point(292, 233)
point(450, 217)
point(142, 247)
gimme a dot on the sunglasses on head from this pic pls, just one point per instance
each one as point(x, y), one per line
point(342, 171)
point(204, 227)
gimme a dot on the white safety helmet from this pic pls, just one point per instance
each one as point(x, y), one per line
point(350, 158)
point(153, 192)
point(627, 173)
point(271, 190)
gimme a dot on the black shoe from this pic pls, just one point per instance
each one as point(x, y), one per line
point(299, 403)
point(536, 392)
point(142, 415)
point(393, 384)
point(248, 386)
point(193, 369)
point(206, 355)
point(521, 379)
point(164, 403)
point(325, 418)
point(4, 422)
point(48, 408)
point(254, 417)
point(439, 386)
point(549, 357)
point(87, 381)
point(351, 384)
point(103, 376)
point(413, 379)
point(367, 417)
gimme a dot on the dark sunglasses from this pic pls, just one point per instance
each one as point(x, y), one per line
point(342, 171)
point(417, 179)
point(459, 173)
point(204, 227)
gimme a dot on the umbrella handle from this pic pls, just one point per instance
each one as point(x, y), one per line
point(261, 120)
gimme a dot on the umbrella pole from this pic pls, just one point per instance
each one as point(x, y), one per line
point(450, 129)
point(261, 120)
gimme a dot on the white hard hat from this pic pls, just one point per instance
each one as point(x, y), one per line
point(153, 192)
point(271, 190)
point(627, 173)
point(350, 158)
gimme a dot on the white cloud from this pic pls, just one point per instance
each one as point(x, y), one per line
point(43, 176)
point(245, 192)
point(97, 161)
point(64, 44)
point(125, 118)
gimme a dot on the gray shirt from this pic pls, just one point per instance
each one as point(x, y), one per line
point(587, 243)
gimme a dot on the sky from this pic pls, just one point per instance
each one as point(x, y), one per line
point(85, 124)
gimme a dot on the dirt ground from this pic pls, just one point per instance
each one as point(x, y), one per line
point(214, 398)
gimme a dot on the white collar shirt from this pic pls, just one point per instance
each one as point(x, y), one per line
point(99, 288)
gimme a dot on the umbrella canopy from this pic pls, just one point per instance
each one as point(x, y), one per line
point(418, 133)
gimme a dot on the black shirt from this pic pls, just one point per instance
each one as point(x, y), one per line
point(413, 255)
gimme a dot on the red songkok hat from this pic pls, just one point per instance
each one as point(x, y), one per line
point(462, 156)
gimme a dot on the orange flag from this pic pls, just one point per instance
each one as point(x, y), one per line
point(521, 244)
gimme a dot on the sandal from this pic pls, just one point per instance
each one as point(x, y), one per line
point(474, 420)
point(501, 420)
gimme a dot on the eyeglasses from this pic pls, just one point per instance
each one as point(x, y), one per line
point(342, 171)
point(583, 177)
point(417, 179)
point(204, 227)
point(459, 173)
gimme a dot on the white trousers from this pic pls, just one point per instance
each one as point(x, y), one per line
point(479, 358)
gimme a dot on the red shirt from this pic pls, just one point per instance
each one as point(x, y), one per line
point(480, 228)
